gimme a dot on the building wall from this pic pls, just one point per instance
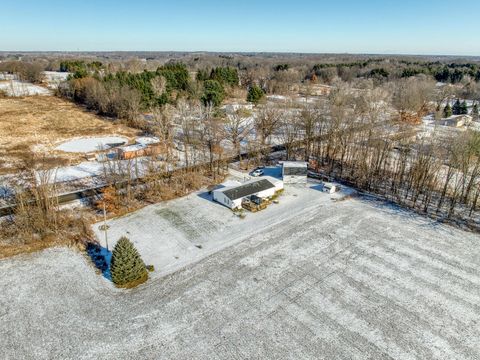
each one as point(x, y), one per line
point(266, 193)
point(127, 155)
point(218, 196)
point(278, 185)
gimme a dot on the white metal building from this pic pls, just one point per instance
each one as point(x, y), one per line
point(232, 196)
point(294, 172)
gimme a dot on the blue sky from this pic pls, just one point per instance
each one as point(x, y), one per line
point(369, 26)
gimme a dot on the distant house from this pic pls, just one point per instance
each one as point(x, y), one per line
point(144, 146)
point(232, 196)
point(294, 172)
point(131, 151)
point(456, 121)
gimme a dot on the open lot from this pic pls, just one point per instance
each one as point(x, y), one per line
point(40, 123)
point(308, 278)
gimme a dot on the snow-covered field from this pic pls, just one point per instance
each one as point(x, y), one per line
point(90, 144)
point(92, 169)
point(54, 78)
point(75, 172)
point(21, 88)
point(308, 278)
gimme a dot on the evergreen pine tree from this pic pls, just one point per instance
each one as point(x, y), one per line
point(213, 93)
point(464, 108)
point(447, 111)
point(255, 94)
point(475, 111)
point(456, 107)
point(127, 267)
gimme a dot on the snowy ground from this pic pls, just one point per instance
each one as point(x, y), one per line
point(83, 170)
point(90, 144)
point(92, 169)
point(353, 279)
point(54, 78)
point(22, 88)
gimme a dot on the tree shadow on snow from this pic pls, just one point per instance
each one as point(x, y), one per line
point(101, 258)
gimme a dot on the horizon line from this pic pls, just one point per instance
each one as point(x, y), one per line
point(241, 52)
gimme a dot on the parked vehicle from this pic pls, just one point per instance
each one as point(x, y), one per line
point(257, 172)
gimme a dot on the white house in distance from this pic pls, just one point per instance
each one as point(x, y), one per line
point(294, 172)
point(232, 195)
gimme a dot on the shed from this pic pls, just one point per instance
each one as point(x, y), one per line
point(329, 188)
point(232, 196)
point(131, 151)
point(294, 172)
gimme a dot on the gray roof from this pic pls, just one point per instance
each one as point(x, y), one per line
point(295, 171)
point(247, 189)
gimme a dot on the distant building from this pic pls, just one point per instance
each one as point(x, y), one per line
point(144, 146)
point(294, 172)
point(456, 121)
point(131, 151)
point(232, 196)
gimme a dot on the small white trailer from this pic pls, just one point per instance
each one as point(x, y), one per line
point(329, 188)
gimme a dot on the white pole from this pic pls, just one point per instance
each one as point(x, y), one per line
point(105, 224)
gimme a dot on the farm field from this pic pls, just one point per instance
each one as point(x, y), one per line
point(310, 279)
point(41, 123)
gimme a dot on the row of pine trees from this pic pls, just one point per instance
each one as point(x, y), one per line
point(460, 108)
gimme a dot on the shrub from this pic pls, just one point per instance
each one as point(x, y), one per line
point(127, 267)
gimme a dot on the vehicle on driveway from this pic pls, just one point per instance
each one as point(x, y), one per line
point(257, 172)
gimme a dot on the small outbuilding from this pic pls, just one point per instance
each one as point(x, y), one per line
point(232, 196)
point(294, 172)
point(131, 151)
point(329, 188)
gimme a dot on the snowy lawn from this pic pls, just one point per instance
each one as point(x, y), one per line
point(90, 144)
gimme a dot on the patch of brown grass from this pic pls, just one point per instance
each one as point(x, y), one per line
point(40, 123)
point(15, 249)
point(73, 229)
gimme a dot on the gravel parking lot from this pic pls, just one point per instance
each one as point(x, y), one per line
point(354, 279)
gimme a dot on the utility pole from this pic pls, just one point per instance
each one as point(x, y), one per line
point(105, 227)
